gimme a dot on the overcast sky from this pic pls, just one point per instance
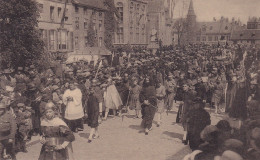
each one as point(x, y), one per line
point(207, 9)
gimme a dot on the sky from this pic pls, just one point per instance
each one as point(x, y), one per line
point(207, 9)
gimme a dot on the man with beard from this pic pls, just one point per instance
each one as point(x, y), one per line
point(72, 98)
point(148, 100)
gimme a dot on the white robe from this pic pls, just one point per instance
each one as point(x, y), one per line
point(112, 98)
point(74, 109)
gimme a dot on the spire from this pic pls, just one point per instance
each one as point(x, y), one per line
point(191, 9)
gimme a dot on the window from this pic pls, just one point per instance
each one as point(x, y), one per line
point(226, 28)
point(94, 14)
point(210, 28)
point(51, 13)
point(51, 40)
point(76, 42)
point(204, 38)
point(86, 41)
point(77, 23)
point(100, 14)
point(209, 38)
point(62, 39)
point(137, 37)
point(44, 37)
point(120, 10)
point(216, 38)
point(66, 19)
point(120, 35)
point(137, 7)
point(198, 38)
point(143, 7)
point(131, 5)
point(85, 23)
point(100, 25)
point(59, 12)
point(100, 39)
point(85, 11)
point(222, 38)
point(76, 9)
point(131, 37)
point(40, 7)
point(204, 28)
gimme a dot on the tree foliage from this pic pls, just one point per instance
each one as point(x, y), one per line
point(20, 42)
point(110, 23)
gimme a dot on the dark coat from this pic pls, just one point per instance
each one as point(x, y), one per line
point(93, 111)
point(238, 108)
point(148, 111)
point(197, 120)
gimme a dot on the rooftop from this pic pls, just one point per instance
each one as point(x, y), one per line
point(98, 4)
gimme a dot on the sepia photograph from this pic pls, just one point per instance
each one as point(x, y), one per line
point(129, 79)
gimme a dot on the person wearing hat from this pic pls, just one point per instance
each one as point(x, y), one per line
point(229, 155)
point(198, 119)
point(7, 131)
point(74, 112)
point(56, 136)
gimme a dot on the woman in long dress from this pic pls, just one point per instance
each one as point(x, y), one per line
point(56, 137)
point(149, 105)
point(111, 98)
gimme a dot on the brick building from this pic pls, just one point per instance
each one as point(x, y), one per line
point(86, 12)
point(57, 35)
point(132, 22)
point(249, 35)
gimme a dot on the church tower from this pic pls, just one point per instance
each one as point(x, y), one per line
point(191, 24)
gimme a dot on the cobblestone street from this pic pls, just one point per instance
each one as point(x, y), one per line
point(123, 139)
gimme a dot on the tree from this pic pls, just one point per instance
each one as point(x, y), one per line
point(110, 23)
point(91, 37)
point(179, 26)
point(20, 42)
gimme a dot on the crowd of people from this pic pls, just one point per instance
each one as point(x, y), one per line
point(57, 101)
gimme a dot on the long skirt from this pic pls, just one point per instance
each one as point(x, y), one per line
point(148, 113)
point(74, 124)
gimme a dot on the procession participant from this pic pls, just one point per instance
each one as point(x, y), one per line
point(238, 108)
point(74, 113)
point(188, 97)
point(112, 98)
point(218, 93)
point(160, 95)
point(134, 97)
point(32, 101)
point(7, 131)
point(123, 91)
point(171, 87)
point(198, 119)
point(93, 114)
point(56, 137)
point(149, 106)
point(99, 95)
